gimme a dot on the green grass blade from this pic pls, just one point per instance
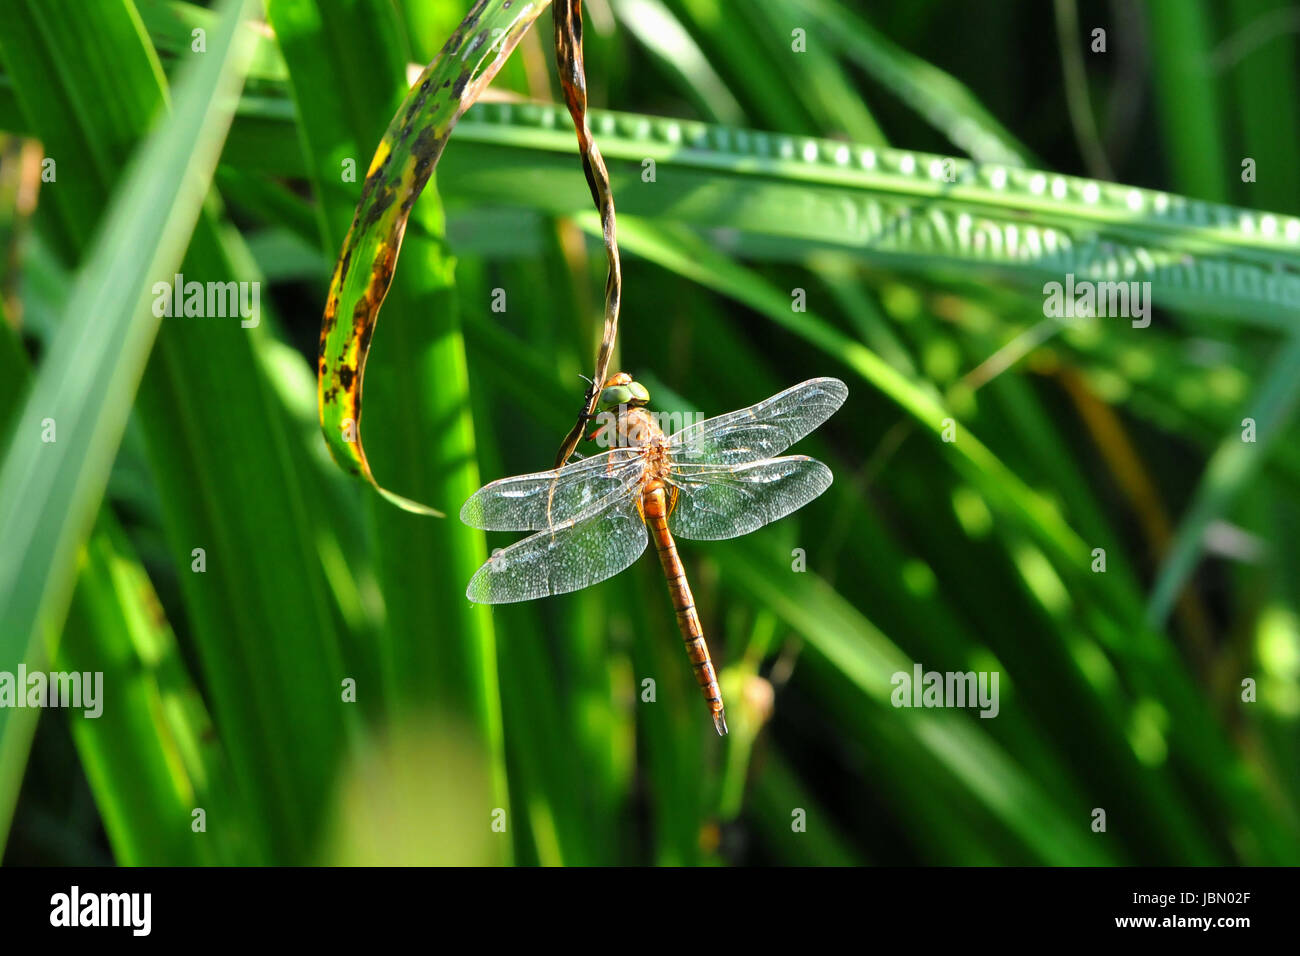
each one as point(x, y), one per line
point(51, 489)
point(150, 756)
point(432, 638)
point(894, 207)
point(940, 99)
point(1236, 461)
point(1190, 113)
point(227, 470)
point(654, 25)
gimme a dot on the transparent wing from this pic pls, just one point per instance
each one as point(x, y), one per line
point(763, 430)
point(726, 501)
point(600, 544)
point(548, 499)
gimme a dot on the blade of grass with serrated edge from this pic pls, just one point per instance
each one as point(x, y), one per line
point(913, 210)
point(916, 210)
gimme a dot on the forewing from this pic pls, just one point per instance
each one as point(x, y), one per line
point(719, 501)
point(575, 555)
point(763, 430)
point(548, 499)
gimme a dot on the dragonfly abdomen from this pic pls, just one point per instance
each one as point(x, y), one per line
point(654, 504)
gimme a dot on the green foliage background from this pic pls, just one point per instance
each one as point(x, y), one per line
point(1120, 690)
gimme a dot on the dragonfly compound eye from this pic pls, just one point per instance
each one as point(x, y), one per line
point(615, 396)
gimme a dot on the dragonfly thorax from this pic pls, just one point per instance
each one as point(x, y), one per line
point(627, 427)
point(637, 427)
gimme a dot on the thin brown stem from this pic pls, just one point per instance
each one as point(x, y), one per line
point(573, 80)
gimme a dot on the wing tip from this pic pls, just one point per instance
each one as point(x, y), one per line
point(825, 478)
point(477, 594)
point(835, 387)
point(829, 386)
point(471, 516)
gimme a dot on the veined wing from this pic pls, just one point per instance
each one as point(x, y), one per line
point(579, 553)
point(763, 430)
point(726, 501)
point(548, 499)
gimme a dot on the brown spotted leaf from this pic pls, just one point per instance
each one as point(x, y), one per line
point(401, 166)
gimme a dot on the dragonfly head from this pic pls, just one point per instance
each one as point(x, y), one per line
point(621, 390)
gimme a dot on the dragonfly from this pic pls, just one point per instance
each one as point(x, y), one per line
point(714, 479)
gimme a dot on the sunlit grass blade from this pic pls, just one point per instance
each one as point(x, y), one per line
point(225, 471)
point(50, 489)
point(148, 751)
point(432, 639)
point(895, 208)
point(152, 757)
point(867, 659)
point(1237, 460)
point(1191, 114)
point(939, 98)
point(654, 25)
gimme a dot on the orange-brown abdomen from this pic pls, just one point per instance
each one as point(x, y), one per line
point(654, 505)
